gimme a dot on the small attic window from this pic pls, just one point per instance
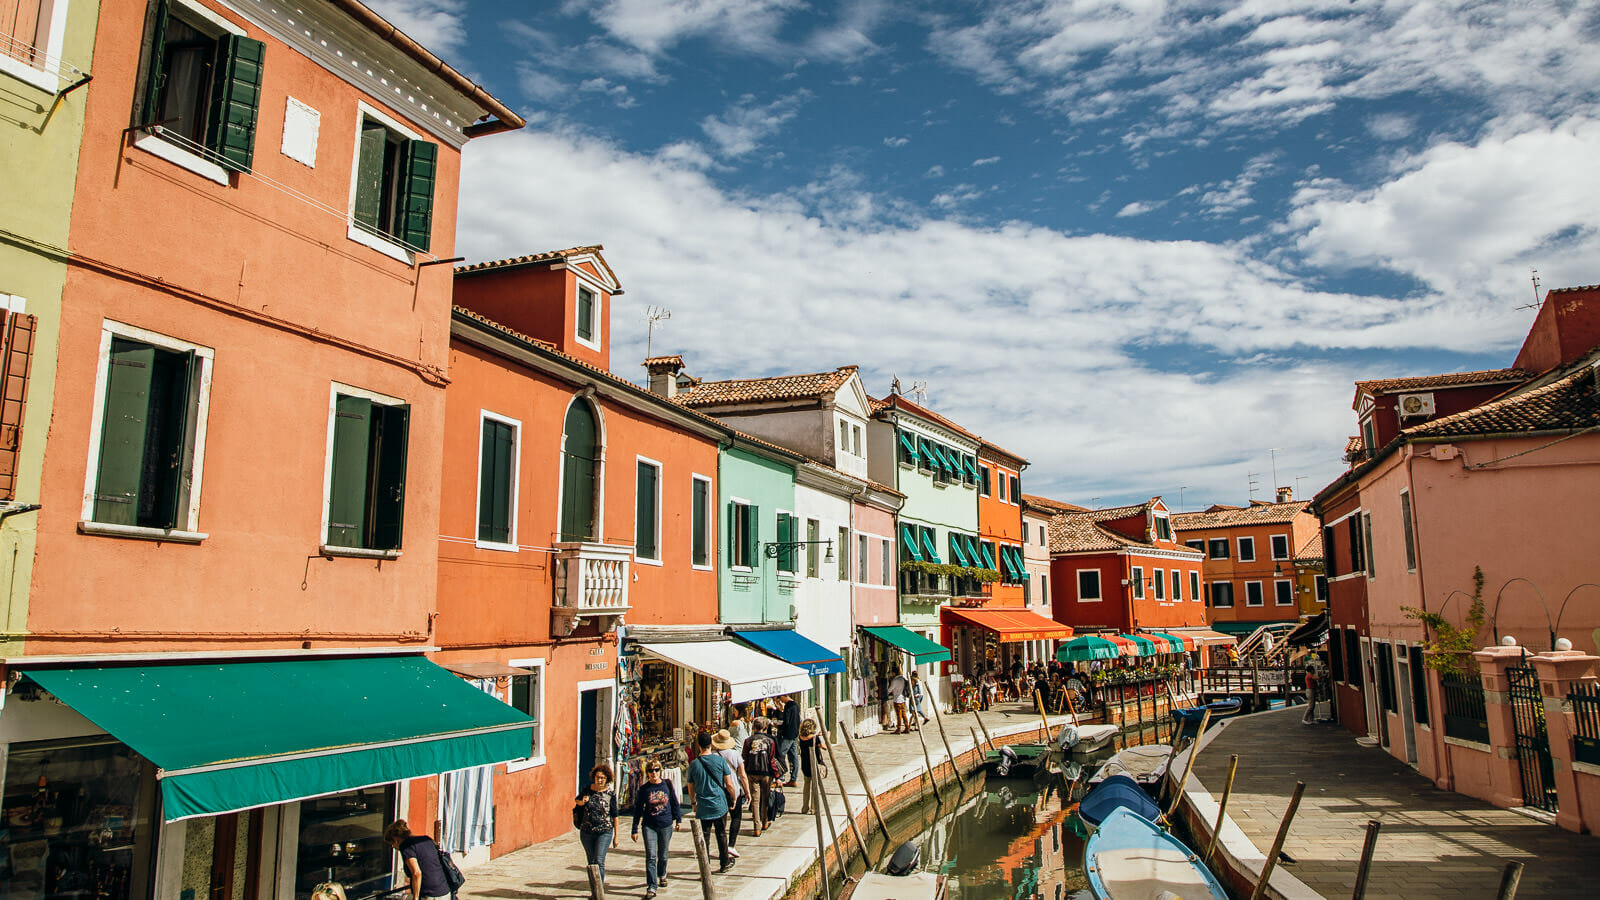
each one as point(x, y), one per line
point(586, 324)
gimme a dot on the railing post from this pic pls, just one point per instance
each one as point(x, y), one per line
point(1505, 777)
point(1558, 671)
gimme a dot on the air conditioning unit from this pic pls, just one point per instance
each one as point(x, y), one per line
point(1416, 405)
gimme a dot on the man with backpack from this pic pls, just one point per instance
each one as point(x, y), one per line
point(712, 788)
point(761, 767)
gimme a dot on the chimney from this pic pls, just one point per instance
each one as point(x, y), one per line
point(1285, 494)
point(664, 374)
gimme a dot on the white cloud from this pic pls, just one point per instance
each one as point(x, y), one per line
point(1234, 194)
point(435, 24)
point(1040, 340)
point(1137, 208)
point(654, 26)
point(985, 161)
point(746, 124)
point(894, 143)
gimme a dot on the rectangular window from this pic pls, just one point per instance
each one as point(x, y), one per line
point(1218, 548)
point(1221, 594)
point(855, 443)
point(1138, 582)
point(844, 555)
point(647, 512)
point(1041, 535)
point(906, 450)
point(1410, 536)
point(202, 85)
point(1164, 528)
point(1322, 588)
point(1088, 585)
point(743, 532)
point(526, 695)
point(1327, 550)
point(16, 361)
point(930, 551)
point(1336, 655)
point(700, 523)
point(1044, 589)
point(155, 393)
point(586, 314)
point(367, 471)
point(497, 481)
point(1159, 580)
point(1358, 562)
point(788, 560)
point(1352, 657)
point(1177, 585)
point(1419, 685)
point(983, 480)
point(1384, 666)
point(1366, 545)
point(1253, 595)
point(861, 558)
point(813, 548)
point(886, 576)
point(844, 436)
point(1283, 590)
point(1280, 546)
point(1195, 544)
point(394, 178)
point(1002, 480)
point(1016, 490)
point(1194, 586)
point(1247, 549)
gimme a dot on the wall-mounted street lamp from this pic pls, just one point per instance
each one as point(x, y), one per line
point(773, 548)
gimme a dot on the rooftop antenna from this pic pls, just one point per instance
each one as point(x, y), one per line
point(1180, 497)
point(894, 386)
point(1250, 479)
point(1535, 304)
point(1297, 480)
point(653, 315)
point(919, 390)
point(1273, 452)
point(1094, 502)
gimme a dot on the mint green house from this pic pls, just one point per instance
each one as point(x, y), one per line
point(45, 51)
point(757, 508)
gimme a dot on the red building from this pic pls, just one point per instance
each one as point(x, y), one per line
point(570, 498)
point(1123, 569)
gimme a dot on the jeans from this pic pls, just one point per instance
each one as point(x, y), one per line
point(735, 819)
point(789, 752)
point(656, 839)
point(720, 826)
point(760, 790)
point(595, 845)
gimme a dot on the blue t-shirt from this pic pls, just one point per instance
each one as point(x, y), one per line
point(710, 793)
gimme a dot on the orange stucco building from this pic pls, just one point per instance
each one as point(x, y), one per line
point(1251, 573)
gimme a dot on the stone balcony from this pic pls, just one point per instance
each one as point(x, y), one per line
point(591, 584)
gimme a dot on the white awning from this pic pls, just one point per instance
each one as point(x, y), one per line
point(750, 675)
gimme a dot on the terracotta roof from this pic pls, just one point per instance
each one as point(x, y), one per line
point(1353, 444)
point(757, 390)
point(1254, 514)
point(1582, 288)
point(665, 360)
point(533, 259)
point(1080, 532)
point(1045, 504)
point(1568, 403)
point(899, 400)
point(1312, 551)
point(1420, 382)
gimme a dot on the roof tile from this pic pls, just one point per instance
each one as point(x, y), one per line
point(1454, 379)
point(757, 390)
point(1569, 403)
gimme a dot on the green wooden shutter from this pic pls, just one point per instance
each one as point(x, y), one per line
point(494, 482)
point(390, 430)
point(415, 222)
point(785, 536)
point(646, 543)
point(235, 96)
point(369, 174)
point(929, 549)
point(123, 429)
point(153, 78)
point(15, 364)
point(167, 481)
point(735, 532)
point(752, 536)
point(699, 539)
point(347, 494)
point(908, 540)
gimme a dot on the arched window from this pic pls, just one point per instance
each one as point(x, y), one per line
point(580, 473)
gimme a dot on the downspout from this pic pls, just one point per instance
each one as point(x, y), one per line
point(1435, 729)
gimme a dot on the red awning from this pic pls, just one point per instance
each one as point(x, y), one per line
point(1128, 647)
point(1011, 625)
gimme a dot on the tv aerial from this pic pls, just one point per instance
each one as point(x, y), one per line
point(653, 315)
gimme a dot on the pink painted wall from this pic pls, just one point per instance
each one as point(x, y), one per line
point(875, 602)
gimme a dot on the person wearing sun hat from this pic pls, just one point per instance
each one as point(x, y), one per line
point(732, 751)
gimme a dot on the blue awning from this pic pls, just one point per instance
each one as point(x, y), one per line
point(795, 649)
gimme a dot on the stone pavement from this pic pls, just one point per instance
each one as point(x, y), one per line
point(1434, 843)
point(770, 863)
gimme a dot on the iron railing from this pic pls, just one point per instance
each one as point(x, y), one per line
point(1585, 700)
point(1465, 715)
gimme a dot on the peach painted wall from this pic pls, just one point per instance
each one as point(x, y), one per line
point(877, 603)
point(1263, 569)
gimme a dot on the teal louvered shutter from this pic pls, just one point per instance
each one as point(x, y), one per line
point(391, 427)
point(415, 223)
point(908, 540)
point(646, 542)
point(347, 490)
point(123, 430)
point(930, 550)
point(735, 532)
point(153, 76)
point(958, 553)
point(986, 548)
point(752, 536)
point(369, 174)
point(235, 97)
point(786, 536)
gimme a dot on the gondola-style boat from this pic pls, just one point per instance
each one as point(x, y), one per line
point(1132, 858)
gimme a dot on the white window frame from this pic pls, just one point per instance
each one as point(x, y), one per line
point(1158, 580)
point(1278, 584)
point(596, 339)
point(381, 243)
point(733, 566)
point(190, 532)
point(863, 566)
point(335, 391)
point(1239, 550)
point(710, 520)
point(44, 80)
point(813, 548)
point(1272, 546)
point(517, 765)
point(886, 577)
point(1138, 582)
point(1232, 598)
point(1163, 517)
point(1261, 594)
point(855, 440)
point(1099, 593)
point(485, 415)
point(1195, 594)
point(1211, 545)
point(182, 157)
point(660, 538)
point(1177, 586)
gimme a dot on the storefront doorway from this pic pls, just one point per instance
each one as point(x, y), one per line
point(594, 727)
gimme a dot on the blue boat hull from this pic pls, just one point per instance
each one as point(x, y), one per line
point(1130, 856)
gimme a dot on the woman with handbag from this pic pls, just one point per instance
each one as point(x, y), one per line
point(595, 815)
point(423, 863)
point(811, 764)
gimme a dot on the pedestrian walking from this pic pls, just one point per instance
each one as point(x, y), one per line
point(595, 814)
point(788, 737)
point(739, 724)
point(917, 708)
point(811, 765)
point(419, 860)
point(1311, 698)
point(657, 804)
point(711, 787)
point(897, 696)
point(761, 769)
point(723, 743)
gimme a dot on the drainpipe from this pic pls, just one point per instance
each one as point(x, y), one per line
point(1441, 750)
point(11, 589)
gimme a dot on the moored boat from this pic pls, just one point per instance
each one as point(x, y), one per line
point(1188, 717)
point(1132, 858)
point(1116, 792)
point(917, 886)
point(1145, 764)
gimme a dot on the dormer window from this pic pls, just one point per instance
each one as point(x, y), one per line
point(587, 308)
point(1163, 528)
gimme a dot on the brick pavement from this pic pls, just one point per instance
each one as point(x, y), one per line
point(1434, 843)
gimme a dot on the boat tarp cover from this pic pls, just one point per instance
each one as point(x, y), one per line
point(1115, 793)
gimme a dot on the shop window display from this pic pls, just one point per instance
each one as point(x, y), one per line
point(75, 821)
point(341, 839)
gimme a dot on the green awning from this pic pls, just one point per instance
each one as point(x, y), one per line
point(908, 540)
point(238, 735)
point(910, 443)
point(988, 557)
point(970, 463)
point(920, 648)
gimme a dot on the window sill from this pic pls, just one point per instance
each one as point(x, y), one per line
point(496, 545)
point(518, 765)
point(16, 68)
point(380, 243)
point(700, 568)
point(645, 561)
point(358, 552)
point(156, 145)
point(139, 532)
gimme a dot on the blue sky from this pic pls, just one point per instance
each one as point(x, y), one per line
point(1139, 243)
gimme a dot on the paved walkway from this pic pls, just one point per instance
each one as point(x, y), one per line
point(1434, 843)
point(555, 868)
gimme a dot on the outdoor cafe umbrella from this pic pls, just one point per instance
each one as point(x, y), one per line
point(1087, 647)
point(1143, 644)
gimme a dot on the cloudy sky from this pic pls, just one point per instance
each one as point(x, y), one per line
point(1142, 244)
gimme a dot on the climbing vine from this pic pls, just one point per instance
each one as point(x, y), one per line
point(1449, 650)
point(931, 568)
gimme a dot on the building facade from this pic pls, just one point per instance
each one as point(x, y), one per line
point(1252, 576)
point(1123, 569)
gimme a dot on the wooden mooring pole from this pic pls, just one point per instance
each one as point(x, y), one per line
point(1365, 868)
point(872, 799)
point(821, 800)
point(1509, 879)
point(984, 729)
point(707, 889)
point(928, 761)
point(844, 794)
point(938, 719)
point(597, 885)
point(1277, 843)
point(1188, 766)
point(822, 844)
point(1222, 808)
point(979, 745)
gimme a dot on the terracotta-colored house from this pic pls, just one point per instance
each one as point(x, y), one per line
point(570, 500)
point(1503, 488)
point(1000, 523)
point(235, 575)
point(1123, 568)
point(1251, 574)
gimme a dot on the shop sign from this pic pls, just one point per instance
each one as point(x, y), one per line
point(597, 665)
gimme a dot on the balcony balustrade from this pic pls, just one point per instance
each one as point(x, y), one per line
point(591, 583)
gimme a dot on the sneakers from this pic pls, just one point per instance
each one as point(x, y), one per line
point(733, 852)
point(726, 867)
point(649, 892)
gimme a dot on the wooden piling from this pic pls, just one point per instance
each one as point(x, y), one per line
point(821, 799)
point(928, 761)
point(707, 889)
point(1365, 868)
point(597, 885)
point(1222, 808)
point(872, 799)
point(822, 844)
point(979, 746)
point(1038, 704)
point(1509, 879)
point(1277, 843)
point(983, 728)
point(844, 794)
point(938, 718)
point(1188, 765)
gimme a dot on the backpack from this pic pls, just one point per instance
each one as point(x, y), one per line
point(597, 813)
point(759, 758)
